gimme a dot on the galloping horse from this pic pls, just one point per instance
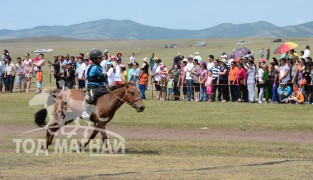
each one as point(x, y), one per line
point(69, 104)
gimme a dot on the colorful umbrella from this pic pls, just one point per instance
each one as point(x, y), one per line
point(239, 52)
point(285, 47)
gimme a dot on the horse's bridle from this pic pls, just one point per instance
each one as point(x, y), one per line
point(132, 101)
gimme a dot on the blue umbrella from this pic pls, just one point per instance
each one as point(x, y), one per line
point(239, 52)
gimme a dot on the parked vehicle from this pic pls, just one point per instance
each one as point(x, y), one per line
point(243, 42)
point(277, 40)
point(201, 43)
point(43, 50)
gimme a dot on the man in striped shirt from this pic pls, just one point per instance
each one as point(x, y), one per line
point(215, 71)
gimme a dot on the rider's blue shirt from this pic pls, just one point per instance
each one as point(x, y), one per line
point(96, 77)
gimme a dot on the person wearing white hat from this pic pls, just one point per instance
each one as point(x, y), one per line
point(223, 88)
point(197, 56)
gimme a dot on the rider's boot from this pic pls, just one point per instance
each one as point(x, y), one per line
point(89, 106)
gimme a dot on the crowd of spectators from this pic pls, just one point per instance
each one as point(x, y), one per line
point(244, 79)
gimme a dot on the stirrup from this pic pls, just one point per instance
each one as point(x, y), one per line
point(91, 100)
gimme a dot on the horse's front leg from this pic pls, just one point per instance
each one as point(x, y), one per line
point(92, 136)
point(104, 136)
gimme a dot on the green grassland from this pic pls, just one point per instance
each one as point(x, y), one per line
point(166, 158)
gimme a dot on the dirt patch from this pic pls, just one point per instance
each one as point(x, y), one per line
point(297, 137)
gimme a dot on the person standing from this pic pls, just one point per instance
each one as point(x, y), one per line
point(170, 85)
point(20, 80)
point(143, 79)
point(81, 73)
point(223, 82)
point(27, 67)
point(182, 79)
point(145, 65)
point(130, 71)
point(210, 64)
point(163, 80)
point(9, 75)
point(151, 61)
point(242, 83)
point(132, 58)
point(195, 78)
point(118, 74)
point(135, 75)
point(70, 76)
point(307, 52)
point(145, 68)
point(284, 69)
point(176, 74)
point(262, 53)
point(266, 84)
point(110, 74)
point(39, 80)
point(56, 67)
point(215, 71)
point(268, 54)
point(103, 63)
point(260, 81)
point(189, 80)
point(209, 85)
point(274, 81)
point(202, 79)
point(251, 80)
point(157, 77)
point(232, 76)
point(124, 75)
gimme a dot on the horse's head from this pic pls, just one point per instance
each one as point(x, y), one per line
point(132, 97)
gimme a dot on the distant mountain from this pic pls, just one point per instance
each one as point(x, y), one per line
point(106, 29)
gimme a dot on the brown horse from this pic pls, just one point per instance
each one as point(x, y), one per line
point(69, 104)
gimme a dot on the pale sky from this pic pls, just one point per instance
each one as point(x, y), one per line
point(174, 14)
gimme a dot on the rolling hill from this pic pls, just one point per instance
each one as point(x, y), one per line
point(106, 29)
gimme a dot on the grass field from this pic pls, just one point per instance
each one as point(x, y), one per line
point(167, 158)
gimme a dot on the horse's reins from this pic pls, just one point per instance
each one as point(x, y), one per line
point(122, 99)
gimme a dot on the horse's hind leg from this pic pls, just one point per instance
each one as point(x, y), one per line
point(92, 136)
point(104, 134)
point(50, 133)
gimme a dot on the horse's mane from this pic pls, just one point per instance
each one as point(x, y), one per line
point(117, 87)
point(121, 86)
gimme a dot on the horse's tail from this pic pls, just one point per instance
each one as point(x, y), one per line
point(40, 117)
